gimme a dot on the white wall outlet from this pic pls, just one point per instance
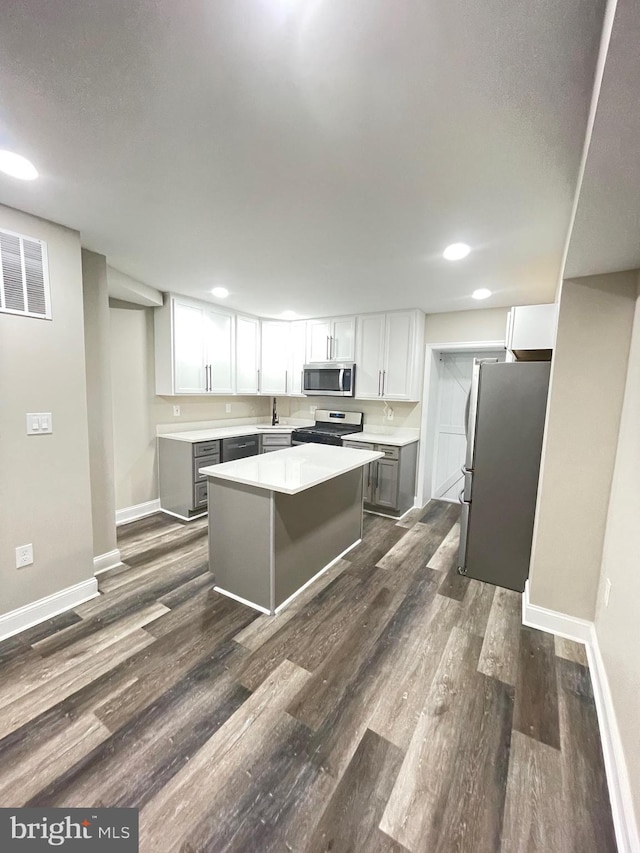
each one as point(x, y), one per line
point(39, 423)
point(607, 592)
point(24, 556)
point(176, 411)
point(227, 408)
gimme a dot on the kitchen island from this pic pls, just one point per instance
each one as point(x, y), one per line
point(278, 521)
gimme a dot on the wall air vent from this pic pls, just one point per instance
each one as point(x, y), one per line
point(24, 276)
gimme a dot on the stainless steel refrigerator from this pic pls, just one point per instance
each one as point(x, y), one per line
point(505, 424)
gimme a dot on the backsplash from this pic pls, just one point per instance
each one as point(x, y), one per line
point(404, 414)
point(208, 409)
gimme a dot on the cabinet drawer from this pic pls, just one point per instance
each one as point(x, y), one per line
point(239, 447)
point(206, 448)
point(200, 495)
point(357, 445)
point(276, 440)
point(203, 462)
point(389, 450)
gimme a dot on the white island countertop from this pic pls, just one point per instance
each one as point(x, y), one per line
point(292, 470)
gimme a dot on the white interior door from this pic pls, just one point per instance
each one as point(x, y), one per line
point(454, 382)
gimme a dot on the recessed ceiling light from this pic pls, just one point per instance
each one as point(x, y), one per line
point(220, 292)
point(288, 315)
point(482, 293)
point(456, 251)
point(17, 166)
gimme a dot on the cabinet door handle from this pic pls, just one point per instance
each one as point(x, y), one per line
point(384, 380)
point(379, 383)
point(328, 350)
point(286, 381)
point(258, 379)
point(332, 348)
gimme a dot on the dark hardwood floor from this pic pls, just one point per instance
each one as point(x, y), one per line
point(394, 706)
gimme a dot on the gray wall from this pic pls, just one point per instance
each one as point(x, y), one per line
point(618, 625)
point(585, 402)
point(99, 403)
point(45, 495)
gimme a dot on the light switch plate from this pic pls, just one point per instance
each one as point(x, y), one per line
point(39, 423)
point(176, 411)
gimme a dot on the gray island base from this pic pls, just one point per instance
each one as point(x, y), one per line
point(277, 522)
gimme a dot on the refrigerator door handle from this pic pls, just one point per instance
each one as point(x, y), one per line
point(472, 410)
point(461, 499)
point(464, 530)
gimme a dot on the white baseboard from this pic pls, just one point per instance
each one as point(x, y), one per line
point(316, 576)
point(554, 622)
point(52, 605)
point(131, 513)
point(183, 517)
point(624, 821)
point(583, 631)
point(104, 562)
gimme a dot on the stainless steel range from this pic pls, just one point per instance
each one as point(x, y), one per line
point(329, 428)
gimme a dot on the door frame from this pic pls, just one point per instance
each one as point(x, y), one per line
point(426, 461)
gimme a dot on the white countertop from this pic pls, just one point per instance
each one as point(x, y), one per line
point(398, 437)
point(225, 432)
point(294, 469)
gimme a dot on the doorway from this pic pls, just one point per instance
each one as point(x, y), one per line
point(454, 370)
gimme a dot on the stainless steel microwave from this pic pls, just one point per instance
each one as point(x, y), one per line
point(328, 379)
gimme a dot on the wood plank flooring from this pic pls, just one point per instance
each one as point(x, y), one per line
point(394, 706)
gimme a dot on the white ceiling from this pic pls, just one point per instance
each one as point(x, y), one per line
point(606, 233)
point(314, 155)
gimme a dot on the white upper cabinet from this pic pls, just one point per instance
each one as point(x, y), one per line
point(275, 362)
point(189, 348)
point(219, 338)
point(331, 340)
point(532, 327)
point(370, 356)
point(318, 338)
point(203, 349)
point(390, 356)
point(247, 354)
point(194, 348)
point(297, 345)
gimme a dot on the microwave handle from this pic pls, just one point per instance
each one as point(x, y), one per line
point(341, 379)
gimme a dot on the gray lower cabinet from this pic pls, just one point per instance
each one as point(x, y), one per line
point(389, 483)
point(239, 446)
point(183, 490)
point(274, 441)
